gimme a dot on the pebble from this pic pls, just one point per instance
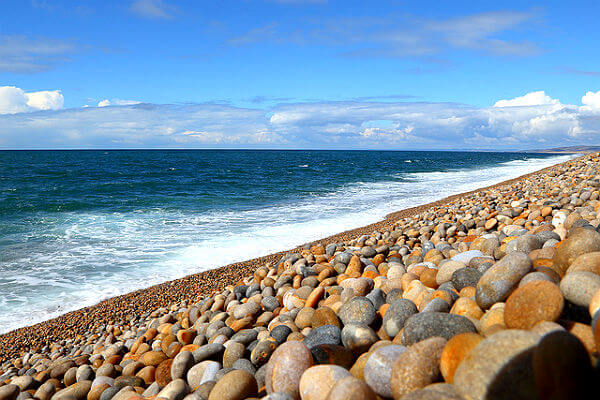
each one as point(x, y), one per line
point(235, 385)
point(424, 325)
point(455, 350)
point(358, 311)
point(378, 369)
point(579, 241)
point(285, 368)
point(501, 279)
point(396, 315)
point(498, 365)
point(325, 316)
point(358, 338)
point(9, 392)
point(326, 334)
point(350, 388)
point(532, 303)
point(417, 367)
point(557, 353)
point(579, 287)
point(446, 270)
point(316, 382)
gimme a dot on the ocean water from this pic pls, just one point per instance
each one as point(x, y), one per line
point(77, 227)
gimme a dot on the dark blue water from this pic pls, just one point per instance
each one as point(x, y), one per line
point(80, 226)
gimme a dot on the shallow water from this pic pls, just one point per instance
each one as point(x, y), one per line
point(80, 226)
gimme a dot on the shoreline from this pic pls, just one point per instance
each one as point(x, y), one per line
point(192, 287)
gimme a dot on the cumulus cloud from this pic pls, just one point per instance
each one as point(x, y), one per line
point(530, 99)
point(591, 100)
point(15, 100)
point(534, 120)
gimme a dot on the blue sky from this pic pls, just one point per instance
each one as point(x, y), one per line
point(298, 74)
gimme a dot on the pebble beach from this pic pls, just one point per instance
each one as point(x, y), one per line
point(489, 294)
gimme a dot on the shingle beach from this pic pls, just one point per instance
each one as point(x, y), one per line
point(491, 294)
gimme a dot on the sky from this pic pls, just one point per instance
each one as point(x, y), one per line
point(299, 74)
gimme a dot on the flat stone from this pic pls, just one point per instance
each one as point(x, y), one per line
point(181, 364)
point(466, 256)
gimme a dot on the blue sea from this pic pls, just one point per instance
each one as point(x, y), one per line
point(77, 227)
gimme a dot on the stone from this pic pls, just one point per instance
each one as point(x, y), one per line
point(202, 372)
point(396, 315)
point(466, 256)
point(285, 368)
point(358, 338)
point(332, 354)
point(153, 358)
point(446, 270)
point(325, 316)
point(455, 350)
point(208, 351)
point(235, 385)
point(175, 390)
point(557, 353)
point(249, 308)
point(326, 334)
point(9, 392)
point(498, 282)
point(181, 364)
point(417, 367)
point(586, 262)
point(579, 287)
point(579, 241)
point(233, 352)
point(44, 392)
point(262, 351)
point(424, 325)
point(378, 368)
point(350, 388)
point(465, 277)
point(498, 365)
point(317, 381)
point(532, 303)
point(358, 311)
point(436, 391)
point(78, 391)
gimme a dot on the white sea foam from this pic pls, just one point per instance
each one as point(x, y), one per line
point(96, 256)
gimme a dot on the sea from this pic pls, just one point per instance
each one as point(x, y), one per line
point(77, 227)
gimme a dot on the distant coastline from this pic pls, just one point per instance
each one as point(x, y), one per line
point(566, 150)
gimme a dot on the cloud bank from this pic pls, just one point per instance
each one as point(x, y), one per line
point(534, 120)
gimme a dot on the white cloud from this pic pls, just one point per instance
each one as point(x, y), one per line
point(45, 100)
point(156, 9)
point(117, 102)
point(591, 100)
point(15, 100)
point(534, 121)
point(530, 99)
